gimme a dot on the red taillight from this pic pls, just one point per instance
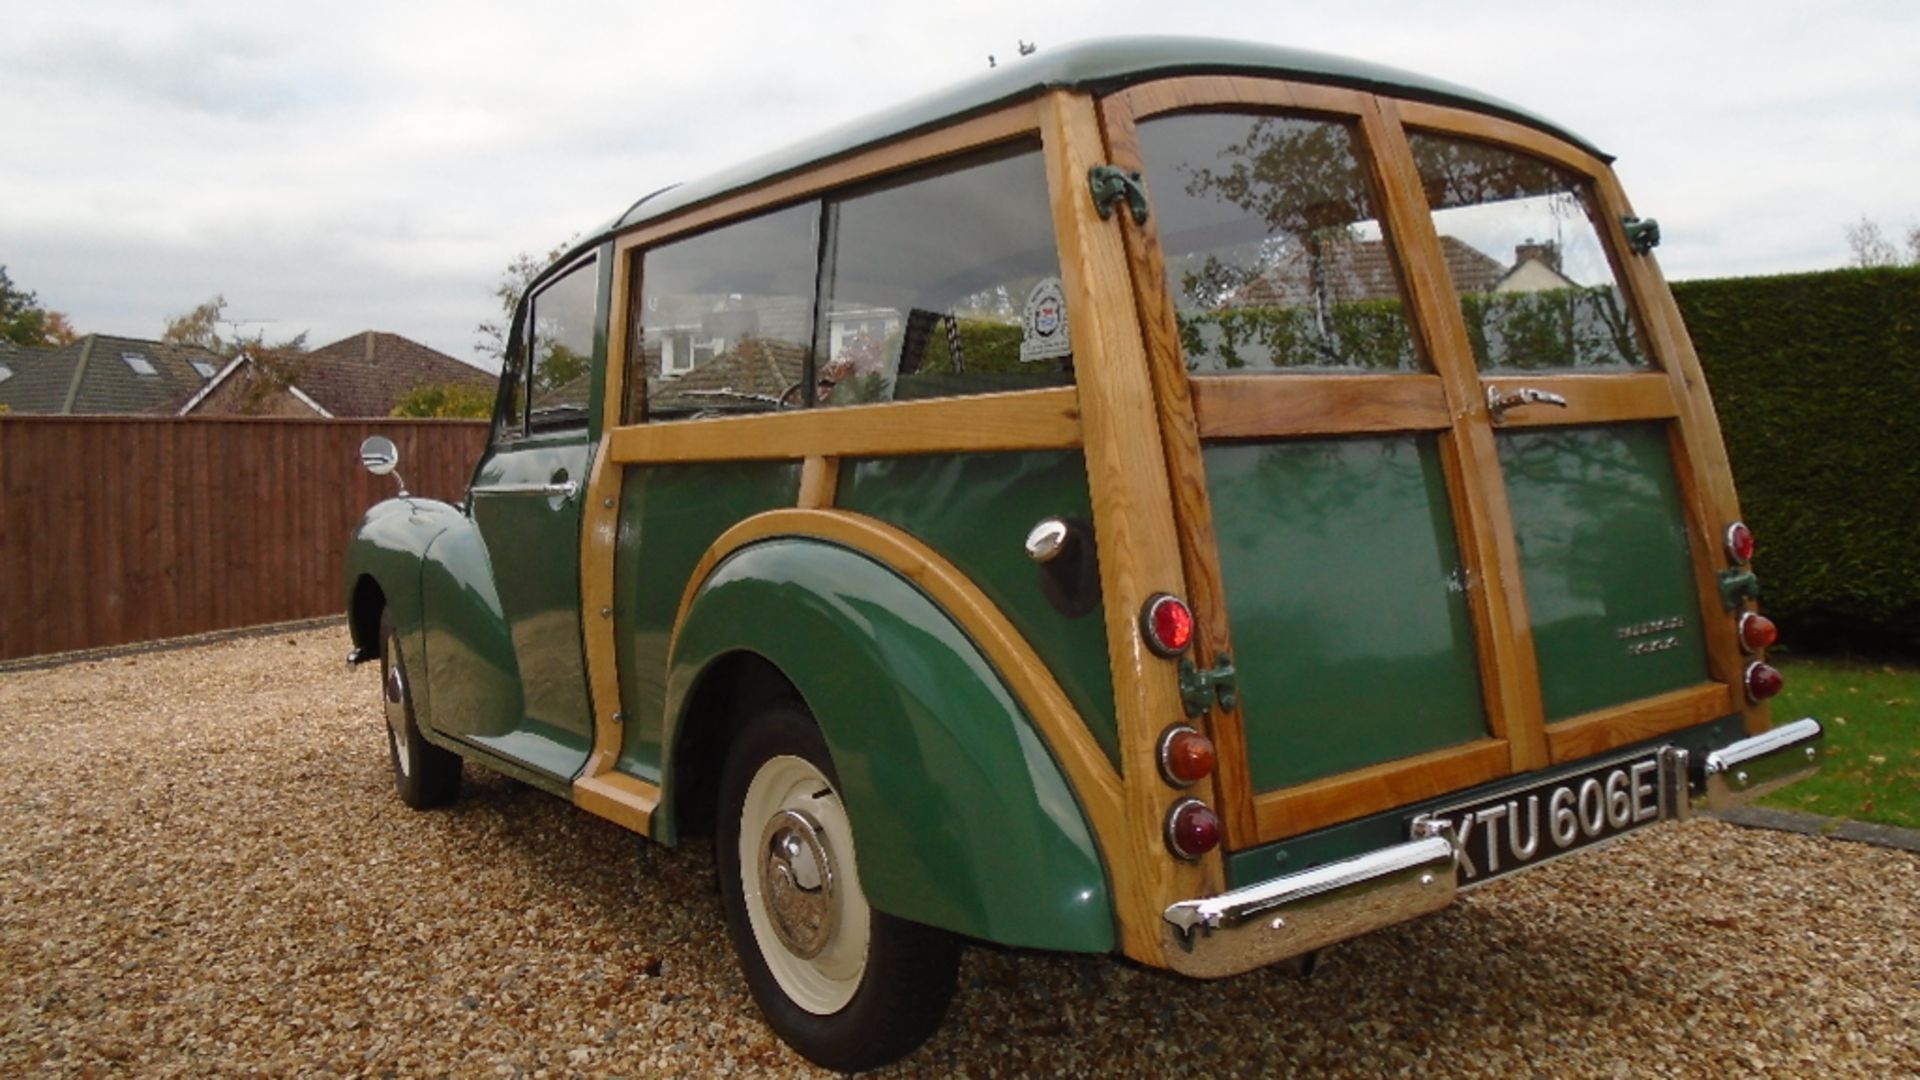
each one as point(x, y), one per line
point(1186, 756)
point(1740, 543)
point(1192, 829)
point(1167, 624)
point(1757, 632)
point(1763, 681)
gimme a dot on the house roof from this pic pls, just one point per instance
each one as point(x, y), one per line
point(1099, 66)
point(367, 374)
point(1362, 270)
point(363, 375)
point(103, 374)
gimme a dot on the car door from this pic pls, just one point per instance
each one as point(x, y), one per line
point(1445, 503)
point(525, 501)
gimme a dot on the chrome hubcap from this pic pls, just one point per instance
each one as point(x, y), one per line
point(796, 880)
point(395, 692)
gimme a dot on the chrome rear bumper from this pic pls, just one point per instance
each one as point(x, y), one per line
point(1287, 916)
point(1741, 772)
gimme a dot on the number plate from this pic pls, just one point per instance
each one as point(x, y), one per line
point(1521, 827)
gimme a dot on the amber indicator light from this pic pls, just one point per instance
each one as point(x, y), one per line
point(1757, 632)
point(1186, 756)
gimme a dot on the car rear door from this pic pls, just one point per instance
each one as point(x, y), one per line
point(1442, 513)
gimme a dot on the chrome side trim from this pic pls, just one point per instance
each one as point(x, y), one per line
point(1740, 772)
point(1258, 925)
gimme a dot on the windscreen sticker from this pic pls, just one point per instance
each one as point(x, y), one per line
point(1044, 324)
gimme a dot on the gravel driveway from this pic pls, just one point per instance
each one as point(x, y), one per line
point(204, 869)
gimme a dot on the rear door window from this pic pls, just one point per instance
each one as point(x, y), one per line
point(1275, 255)
point(1536, 288)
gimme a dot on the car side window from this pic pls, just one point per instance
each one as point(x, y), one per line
point(942, 282)
point(510, 410)
point(726, 318)
point(560, 337)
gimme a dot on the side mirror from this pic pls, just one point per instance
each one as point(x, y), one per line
point(379, 455)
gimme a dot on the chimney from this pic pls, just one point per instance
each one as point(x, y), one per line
point(1546, 251)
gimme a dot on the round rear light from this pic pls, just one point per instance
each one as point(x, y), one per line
point(1192, 829)
point(1167, 624)
point(1763, 681)
point(1186, 756)
point(1740, 543)
point(1757, 632)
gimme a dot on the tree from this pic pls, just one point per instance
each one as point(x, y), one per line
point(200, 328)
point(24, 322)
point(513, 283)
point(1870, 247)
point(447, 400)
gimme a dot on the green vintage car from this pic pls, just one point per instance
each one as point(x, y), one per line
point(1187, 500)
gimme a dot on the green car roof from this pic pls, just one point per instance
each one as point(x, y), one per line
point(1094, 65)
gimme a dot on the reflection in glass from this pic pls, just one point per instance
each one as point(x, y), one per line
point(1275, 256)
point(562, 325)
point(1536, 289)
point(725, 318)
point(930, 280)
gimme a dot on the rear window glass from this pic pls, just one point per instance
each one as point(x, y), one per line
point(1535, 285)
point(1275, 255)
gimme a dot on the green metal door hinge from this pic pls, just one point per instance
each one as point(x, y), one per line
point(1110, 183)
point(1200, 689)
point(1643, 235)
point(1737, 587)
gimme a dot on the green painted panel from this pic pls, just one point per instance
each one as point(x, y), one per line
point(1603, 553)
point(1291, 856)
point(975, 510)
point(1344, 587)
point(669, 516)
point(532, 543)
point(961, 817)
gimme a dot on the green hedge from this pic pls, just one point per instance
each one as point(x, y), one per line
point(1816, 378)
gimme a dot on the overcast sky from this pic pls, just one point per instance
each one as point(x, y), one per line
point(339, 167)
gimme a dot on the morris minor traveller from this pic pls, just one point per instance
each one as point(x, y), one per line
point(1187, 500)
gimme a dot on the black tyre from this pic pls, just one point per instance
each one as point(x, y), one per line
point(425, 775)
point(849, 987)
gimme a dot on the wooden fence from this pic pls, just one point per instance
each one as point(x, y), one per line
point(123, 529)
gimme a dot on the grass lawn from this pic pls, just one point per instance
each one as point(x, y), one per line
point(1872, 717)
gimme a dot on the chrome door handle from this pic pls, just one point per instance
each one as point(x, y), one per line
point(565, 489)
point(1498, 401)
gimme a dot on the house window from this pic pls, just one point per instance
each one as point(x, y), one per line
point(1536, 288)
point(5, 373)
point(140, 364)
point(204, 367)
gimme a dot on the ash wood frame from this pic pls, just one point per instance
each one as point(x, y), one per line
point(1105, 415)
point(1451, 401)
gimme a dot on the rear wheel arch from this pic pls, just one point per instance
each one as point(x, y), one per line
point(731, 689)
point(969, 819)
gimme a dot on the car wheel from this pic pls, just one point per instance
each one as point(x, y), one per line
point(849, 987)
point(425, 775)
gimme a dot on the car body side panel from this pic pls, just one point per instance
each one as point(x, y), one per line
point(961, 816)
point(669, 516)
point(470, 655)
point(388, 547)
point(975, 510)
